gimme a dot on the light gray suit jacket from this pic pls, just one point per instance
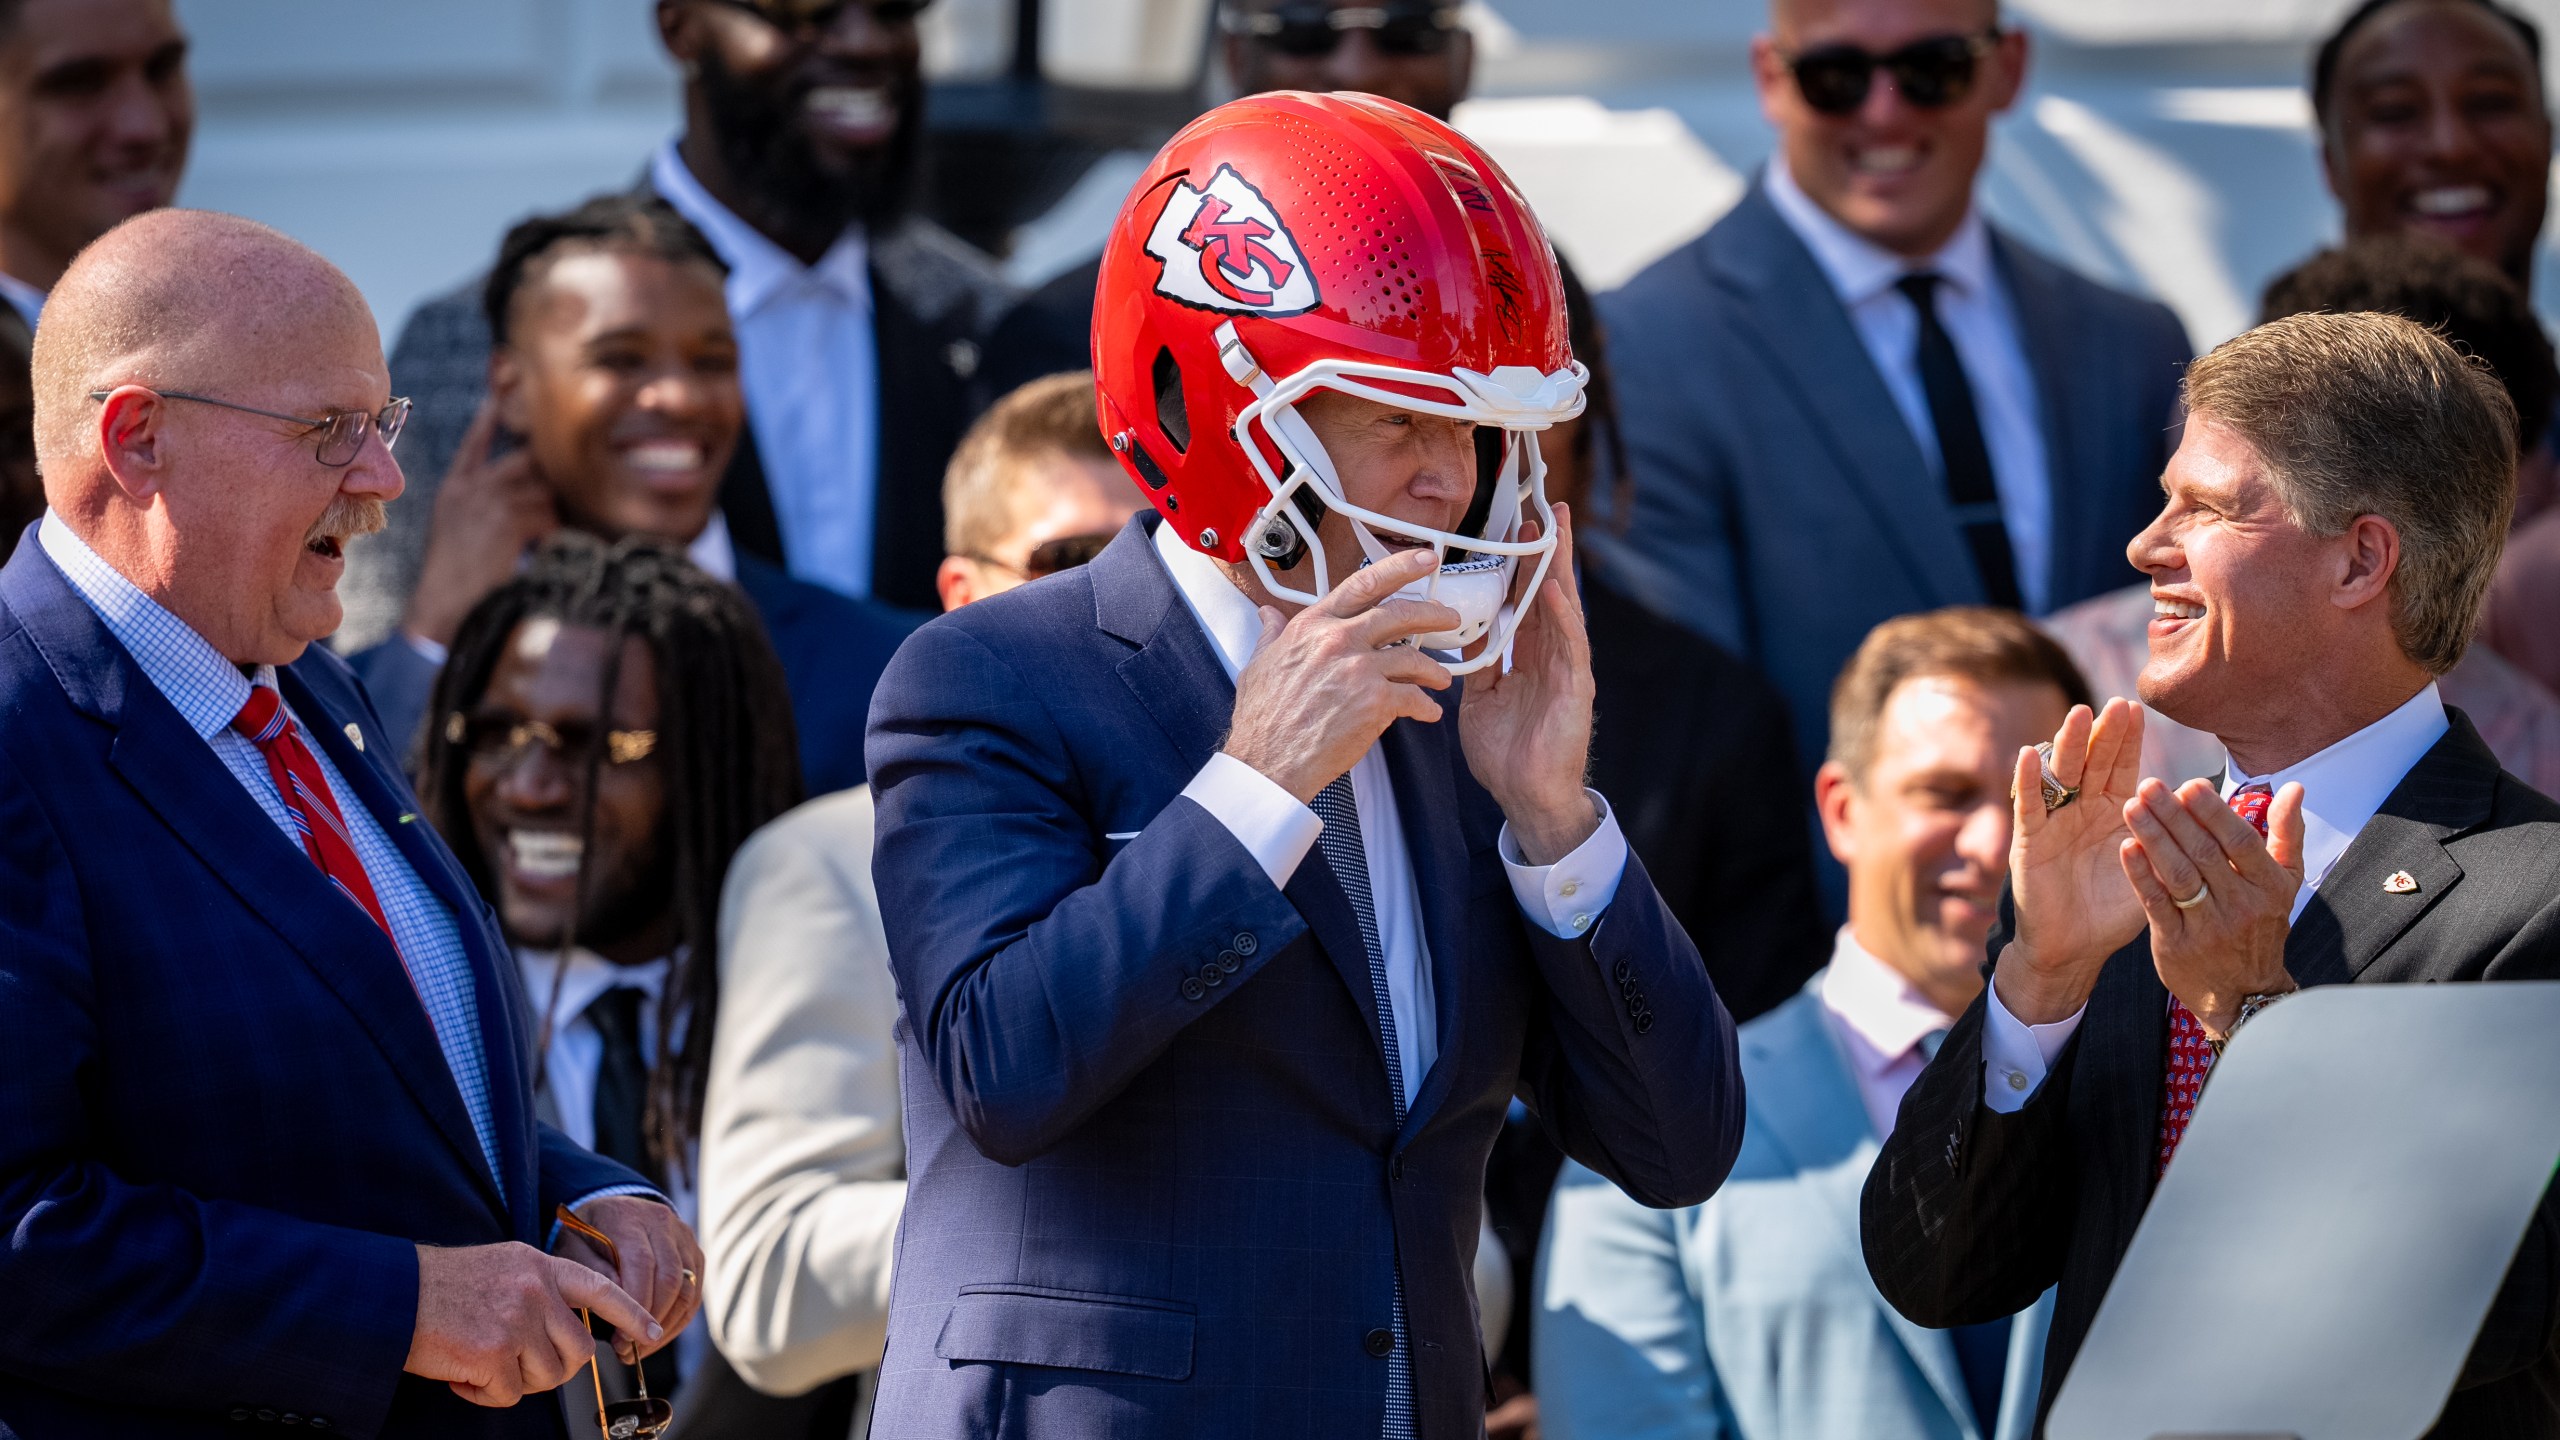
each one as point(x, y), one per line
point(1783, 506)
point(803, 1157)
point(1751, 1317)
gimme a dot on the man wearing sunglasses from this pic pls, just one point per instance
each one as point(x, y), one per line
point(1852, 398)
point(1031, 491)
point(268, 1149)
point(858, 324)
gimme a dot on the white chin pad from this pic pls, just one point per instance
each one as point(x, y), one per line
point(1474, 587)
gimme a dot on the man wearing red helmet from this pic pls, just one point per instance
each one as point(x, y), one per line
point(1223, 943)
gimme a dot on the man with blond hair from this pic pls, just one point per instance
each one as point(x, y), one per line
point(1031, 491)
point(267, 1144)
point(2333, 515)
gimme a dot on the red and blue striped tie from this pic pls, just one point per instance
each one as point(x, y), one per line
point(316, 819)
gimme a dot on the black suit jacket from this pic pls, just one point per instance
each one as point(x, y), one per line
point(1693, 748)
point(1969, 1215)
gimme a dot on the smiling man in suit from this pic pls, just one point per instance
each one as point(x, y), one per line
point(1853, 398)
point(1225, 930)
point(267, 1146)
point(2333, 515)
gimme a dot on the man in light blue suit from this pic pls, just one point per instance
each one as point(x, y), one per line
point(1852, 398)
point(1751, 1316)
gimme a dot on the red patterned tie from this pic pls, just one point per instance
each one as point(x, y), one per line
point(2189, 1055)
point(316, 820)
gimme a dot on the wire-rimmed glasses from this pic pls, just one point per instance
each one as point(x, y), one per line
point(340, 432)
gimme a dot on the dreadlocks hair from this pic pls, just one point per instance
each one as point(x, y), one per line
point(726, 743)
point(623, 224)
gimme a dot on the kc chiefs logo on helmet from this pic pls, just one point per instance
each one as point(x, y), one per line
point(1224, 248)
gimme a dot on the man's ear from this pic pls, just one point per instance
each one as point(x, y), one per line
point(680, 31)
point(506, 390)
point(956, 581)
point(1834, 795)
point(1462, 63)
point(2012, 53)
point(2370, 556)
point(133, 441)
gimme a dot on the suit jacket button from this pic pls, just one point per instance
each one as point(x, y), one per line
point(291, 1419)
point(1395, 1168)
point(1230, 961)
point(1244, 944)
point(1211, 975)
point(240, 1412)
point(1380, 1343)
point(267, 1415)
point(1644, 1022)
point(1622, 972)
point(1192, 989)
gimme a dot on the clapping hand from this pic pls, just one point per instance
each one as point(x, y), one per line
point(2066, 880)
point(2219, 897)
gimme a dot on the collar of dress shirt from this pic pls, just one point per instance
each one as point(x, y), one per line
point(26, 299)
point(1229, 615)
point(759, 270)
point(2344, 785)
point(588, 975)
point(1859, 269)
point(206, 689)
point(1874, 1002)
point(712, 552)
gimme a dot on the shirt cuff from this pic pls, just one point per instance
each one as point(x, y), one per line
point(592, 1196)
point(425, 649)
point(1266, 820)
point(1567, 898)
point(2016, 1055)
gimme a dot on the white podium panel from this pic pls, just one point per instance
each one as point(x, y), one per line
point(2324, 1247)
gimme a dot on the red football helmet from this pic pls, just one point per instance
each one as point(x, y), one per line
point(1290, 241)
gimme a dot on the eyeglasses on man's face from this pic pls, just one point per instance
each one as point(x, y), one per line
point(1929, 74)
point(340, 433)
point(501, 742)
point(1051, 556)
point(1312, 32)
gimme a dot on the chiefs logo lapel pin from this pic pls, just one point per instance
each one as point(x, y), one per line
point(2401, 882)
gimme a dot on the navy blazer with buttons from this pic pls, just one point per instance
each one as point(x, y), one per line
point(1156, 1184)
point(225, 1124)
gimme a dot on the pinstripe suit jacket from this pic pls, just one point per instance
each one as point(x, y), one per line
point(225, 1124)
point(1969, 1213)
point(1146, 1206)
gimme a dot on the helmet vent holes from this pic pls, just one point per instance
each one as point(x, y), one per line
point(1171, 417)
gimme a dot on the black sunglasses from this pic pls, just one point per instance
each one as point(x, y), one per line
point(1051, 556)
point(1834, 79)
point(817, 17)
point(1311, 32)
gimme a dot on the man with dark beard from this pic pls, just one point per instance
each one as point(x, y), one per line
point(858, 323)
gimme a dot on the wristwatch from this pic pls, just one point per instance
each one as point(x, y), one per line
point(2250, 1005)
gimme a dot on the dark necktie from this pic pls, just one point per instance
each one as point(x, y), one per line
point(1349, 860)
point(1971, 493)
point(622, 1081)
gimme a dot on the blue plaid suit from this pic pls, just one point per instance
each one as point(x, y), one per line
point(1141, 1207)
point(225, 1119)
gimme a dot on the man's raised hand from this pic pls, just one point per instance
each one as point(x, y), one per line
point(2073, 906)
point(1325, 684)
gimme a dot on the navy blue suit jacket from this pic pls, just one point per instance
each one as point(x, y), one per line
point(832, 646)
point(1156, 1186)
point(1783, 507)
point(224, 1120)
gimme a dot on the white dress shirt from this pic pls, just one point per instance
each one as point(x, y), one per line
point(1565, 898)
point(1975, 307)
point(1879, 1018)
point(2342, 788)
point(807, 359)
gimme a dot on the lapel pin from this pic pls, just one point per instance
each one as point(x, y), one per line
point(355, 736)
point(410, 819)
point(2400, 883)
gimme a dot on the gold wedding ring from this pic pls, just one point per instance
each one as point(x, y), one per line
point(691, 1279)
point(2203, 893)
point(2056, 794)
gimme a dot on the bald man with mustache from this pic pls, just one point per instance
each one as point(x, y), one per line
point(268, 1155)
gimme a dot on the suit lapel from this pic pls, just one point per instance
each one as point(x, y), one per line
point(176, 774)
point(1418, 763)
point(1176, 678)
point(1805, 1099)
point(1797, 320)
point(388, 800)
point(2352, 918)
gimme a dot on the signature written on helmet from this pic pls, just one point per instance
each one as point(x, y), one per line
point(1224, 248)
